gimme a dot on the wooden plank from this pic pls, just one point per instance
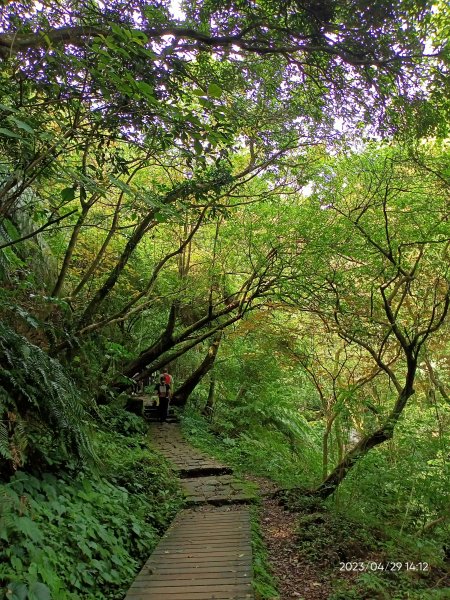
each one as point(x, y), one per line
point(186, 595)
point(221, 516)
point(208, 535)
point(197, 574)
point(202, 547)
point(202, 529)
point(171, 570)
point(230, 560)
point(240, 522)
point(211, 525)
point(199, 581)
point(157, 588)
point(182, 571)
point(203, 542)
point(212, 594)
point(222, 542)
point(205, 528)
point(199, 549)
point(203, 556)
point(240, 555)
point(202, 514)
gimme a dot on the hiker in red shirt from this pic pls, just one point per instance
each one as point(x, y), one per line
point(167, 377)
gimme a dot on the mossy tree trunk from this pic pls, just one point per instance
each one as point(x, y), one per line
point(182, 394)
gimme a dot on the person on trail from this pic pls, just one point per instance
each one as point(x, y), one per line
point(167, 377)
point(163, 390)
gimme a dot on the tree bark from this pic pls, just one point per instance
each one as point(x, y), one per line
point(182, 394)
point(384, 433)
point(70, 250)
point(167, 342)
point(436, 381)
point(136, 237)
point(168, 356)
point(246, 40)
point(111, 281)
point(208, 411)
point(325, 439)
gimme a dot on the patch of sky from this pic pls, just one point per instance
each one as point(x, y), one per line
point(176, 10)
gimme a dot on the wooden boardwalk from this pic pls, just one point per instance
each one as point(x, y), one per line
point(203, 556)
point(206, 552)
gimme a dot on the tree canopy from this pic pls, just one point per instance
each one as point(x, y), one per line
point(252, 193)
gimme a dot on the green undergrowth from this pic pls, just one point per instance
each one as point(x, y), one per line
point(83, 532)
point(363, 558)
point(378, 517)
point(264, 582)
point(261, 452)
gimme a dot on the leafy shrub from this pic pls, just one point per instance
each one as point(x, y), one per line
point(129, 465)
point(85, 536)
point(41, 409)
point(264, 583)
point(260, 449)
point(122, 421)
point(82, 539)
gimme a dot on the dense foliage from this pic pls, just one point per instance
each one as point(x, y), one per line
point(255, 194)
point(71, 533)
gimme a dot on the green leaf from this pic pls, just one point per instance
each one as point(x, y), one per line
point(214, 90)
point(29, 528)
point(68, 194)
point(148, 92)
point(120, 184)
point(9, 133)
point(8, 108)
point(206, 103)
point(116, 29)
point(39, 591)
point(22, 125)
point(16, 563)
point(16, 591)
point(138, 37)
point(198, 147)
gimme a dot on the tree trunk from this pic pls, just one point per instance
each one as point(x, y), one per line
point(436, 381)
point(208, 411)
point(166, 342)
point(325, 440)
point(137, 235)
point(111, 280)
point(69, 252)
point(99, 256)
point(384, 433)
point(175, 352)
point(182, 394)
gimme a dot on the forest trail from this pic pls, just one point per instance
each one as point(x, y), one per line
point(206, 552)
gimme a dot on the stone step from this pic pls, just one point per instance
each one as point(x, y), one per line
point(188, 461)
point(218, 491)
point(203, 471)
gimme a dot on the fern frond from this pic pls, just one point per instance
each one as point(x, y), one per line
point(38, 384)
point(4, 441)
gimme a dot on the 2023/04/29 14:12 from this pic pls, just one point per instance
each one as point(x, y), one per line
point(383, 566)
